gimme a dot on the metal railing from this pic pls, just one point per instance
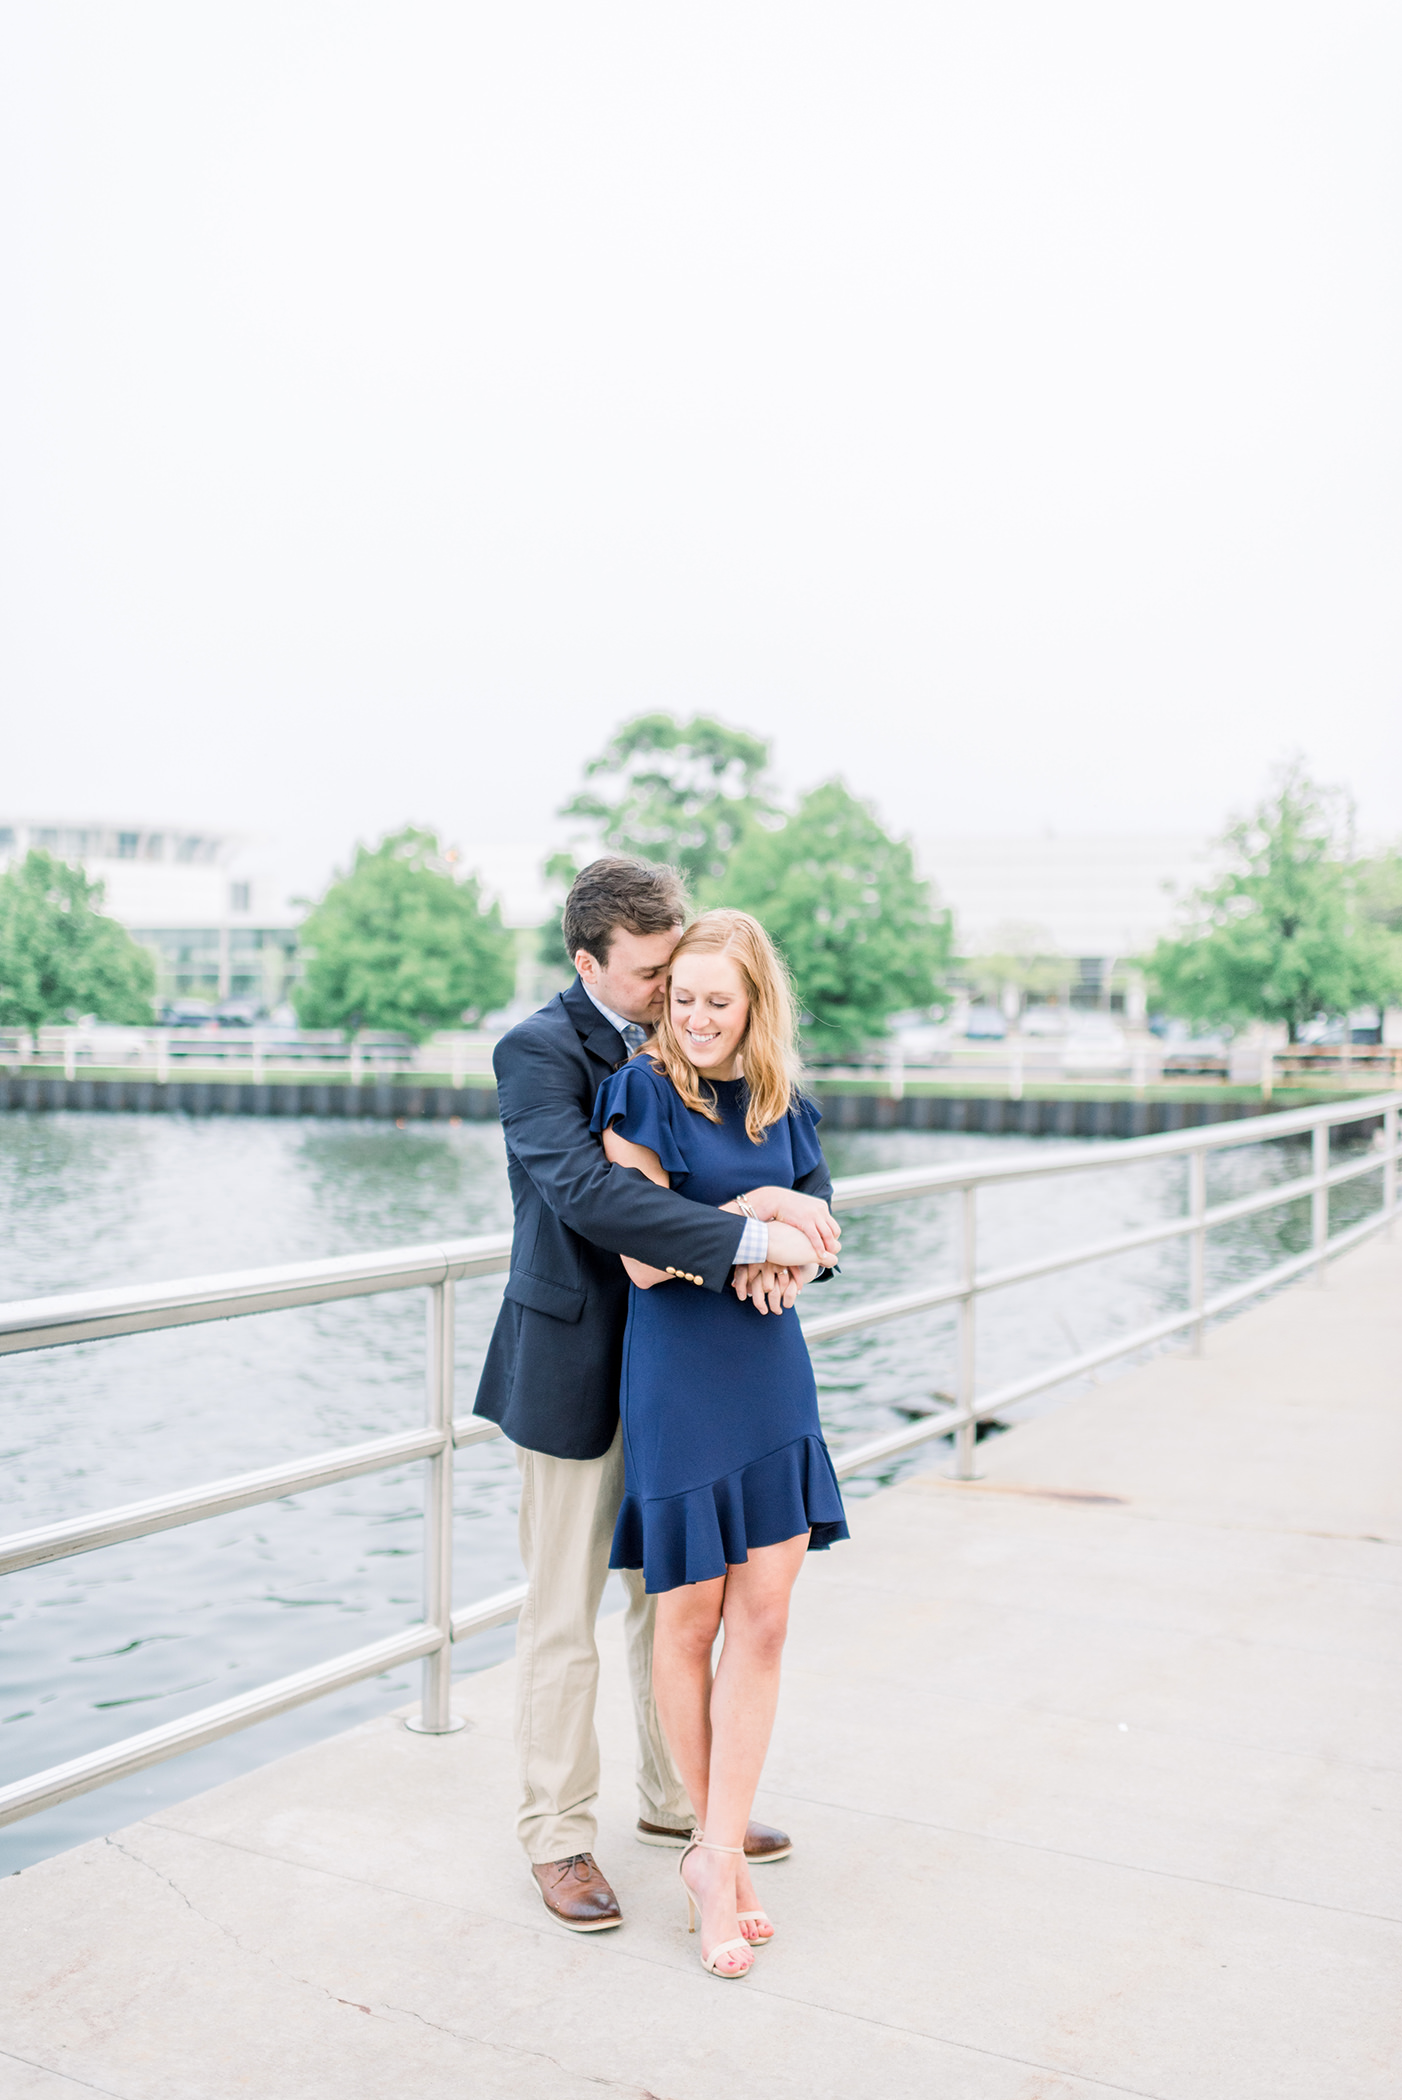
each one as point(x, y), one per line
point(1067, 1064)
point(264, 1053)
point(57, 1321)
point(258, 1054)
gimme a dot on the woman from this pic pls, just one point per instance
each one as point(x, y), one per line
point(727, 1479)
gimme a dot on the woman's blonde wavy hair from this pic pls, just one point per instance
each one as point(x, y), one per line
point(768, 1052)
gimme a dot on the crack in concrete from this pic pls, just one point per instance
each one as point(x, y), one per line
point(258, 1953)
point(512, 2049)
point(613, 2085)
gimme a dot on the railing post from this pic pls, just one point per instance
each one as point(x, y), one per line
point(436, 1715)
point(1319, 1201)
point(966, 1435)
point(1389, 1166)
point(1197, 1244)
point(895, 1073)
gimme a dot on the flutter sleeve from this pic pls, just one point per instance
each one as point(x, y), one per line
point(636, 1102)
point(804, 1117)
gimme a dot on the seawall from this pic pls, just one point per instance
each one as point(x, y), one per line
point(1112, 1114)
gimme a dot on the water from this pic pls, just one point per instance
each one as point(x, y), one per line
point(105, 1644)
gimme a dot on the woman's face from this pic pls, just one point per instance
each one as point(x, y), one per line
point(710, 1011)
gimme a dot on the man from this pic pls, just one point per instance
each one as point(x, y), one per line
point(551, 1377)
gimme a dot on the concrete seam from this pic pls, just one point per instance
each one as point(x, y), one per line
point(68, 2077)
point(1093, 1859)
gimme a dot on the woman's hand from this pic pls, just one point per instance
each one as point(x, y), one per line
point(809, 1214)
point(769, 1287)
point(790, 1248)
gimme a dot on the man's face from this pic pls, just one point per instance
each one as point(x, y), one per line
point(633, 982)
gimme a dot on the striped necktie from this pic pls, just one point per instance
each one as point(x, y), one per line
point(634, 1035)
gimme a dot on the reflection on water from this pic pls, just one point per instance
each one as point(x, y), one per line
point(104, 1644)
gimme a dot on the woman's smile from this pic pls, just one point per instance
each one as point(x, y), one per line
point(710, 1012)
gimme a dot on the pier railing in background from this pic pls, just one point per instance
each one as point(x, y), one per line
point(60, 1321)
point(1019, 1066)
point(257, 1055)
point(263, 1054)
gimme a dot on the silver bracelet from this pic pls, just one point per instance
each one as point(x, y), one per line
point(744, 1203)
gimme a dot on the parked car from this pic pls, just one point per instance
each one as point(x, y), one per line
point(187, 1013)
point(985, 1024)
point(237, 1013)
point(1043, 1020)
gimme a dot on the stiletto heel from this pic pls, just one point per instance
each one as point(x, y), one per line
point(693, 1913)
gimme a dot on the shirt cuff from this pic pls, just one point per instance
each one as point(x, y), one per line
point(754, 1242)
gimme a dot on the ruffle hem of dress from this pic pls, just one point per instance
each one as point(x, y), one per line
point(696, 1536)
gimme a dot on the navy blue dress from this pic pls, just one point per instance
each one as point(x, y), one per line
point(721, 1443)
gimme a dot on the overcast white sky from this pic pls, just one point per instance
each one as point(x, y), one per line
point(996, 403)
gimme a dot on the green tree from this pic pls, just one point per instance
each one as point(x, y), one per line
point(674, 791)
point(681, 792)
point(400, 944)
point(1282, 935)
point(1378, 886)
point(855, 922)
point(60, 958)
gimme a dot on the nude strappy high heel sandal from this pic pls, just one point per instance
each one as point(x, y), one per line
point(693, 1913)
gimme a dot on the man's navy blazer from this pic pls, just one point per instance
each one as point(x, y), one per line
point(552, 1371)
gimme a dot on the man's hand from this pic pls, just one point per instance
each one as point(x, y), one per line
point(770, 1288)
point(809, 1213)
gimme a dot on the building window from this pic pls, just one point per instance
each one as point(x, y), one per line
point(155, 846)
point(238, 896)
point(127, 844)
point(7, 838)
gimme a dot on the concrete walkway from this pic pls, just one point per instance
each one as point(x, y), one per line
point(1093, 1771)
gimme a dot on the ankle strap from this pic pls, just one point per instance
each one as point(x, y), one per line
point(706, 1846)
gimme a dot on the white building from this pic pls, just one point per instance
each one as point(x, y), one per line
point(208, 905)
point(1095, 900)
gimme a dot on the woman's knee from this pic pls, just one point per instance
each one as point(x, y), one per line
point(760, 1627)
point(689, 1628)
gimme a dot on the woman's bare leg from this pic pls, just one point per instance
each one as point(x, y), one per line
point(734, 1729)
point(688, 1620)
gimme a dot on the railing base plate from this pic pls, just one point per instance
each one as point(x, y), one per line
point(422, 1728)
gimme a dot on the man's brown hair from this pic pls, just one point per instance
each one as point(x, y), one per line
point(618, 891)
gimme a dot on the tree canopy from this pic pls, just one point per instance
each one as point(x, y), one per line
point(1283, 935)
point(60, 958)
point(401, 944)
point(683, 792)
point(856, 924)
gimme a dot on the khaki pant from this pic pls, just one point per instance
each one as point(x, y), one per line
point(568, 1508)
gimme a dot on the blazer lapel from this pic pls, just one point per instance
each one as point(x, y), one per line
point(600, 1038)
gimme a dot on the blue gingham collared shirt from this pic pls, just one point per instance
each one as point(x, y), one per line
point(754, 1240)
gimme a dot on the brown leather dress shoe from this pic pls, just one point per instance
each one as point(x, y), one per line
point(763, 1844)
point(576, 1894)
